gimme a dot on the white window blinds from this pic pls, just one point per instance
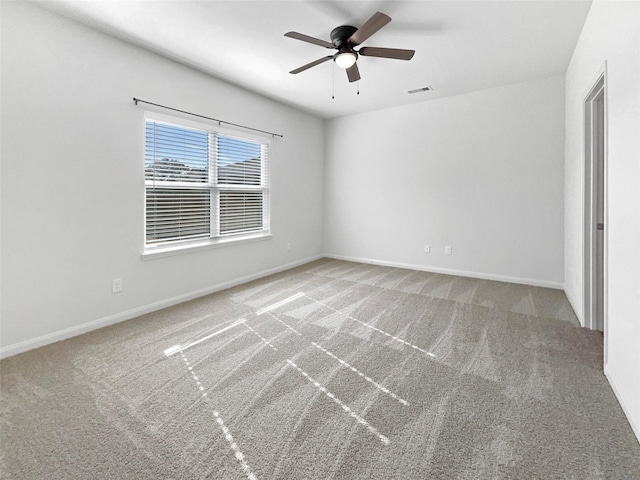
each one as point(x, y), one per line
point(202, 184)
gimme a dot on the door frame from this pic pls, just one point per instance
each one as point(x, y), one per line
point(590, 206)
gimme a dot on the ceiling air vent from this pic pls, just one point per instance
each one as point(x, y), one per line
point(423, 89)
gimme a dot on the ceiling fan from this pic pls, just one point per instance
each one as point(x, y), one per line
point(344, 39)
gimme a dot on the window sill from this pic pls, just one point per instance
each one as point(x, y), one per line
point(170, 250)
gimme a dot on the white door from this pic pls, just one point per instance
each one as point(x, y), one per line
point(595, 214)
point(598, 107)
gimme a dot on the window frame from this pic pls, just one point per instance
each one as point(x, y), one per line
point(215, 239)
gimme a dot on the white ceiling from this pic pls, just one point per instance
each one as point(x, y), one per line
point(461, 46)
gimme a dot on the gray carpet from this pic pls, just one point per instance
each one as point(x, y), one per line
point(365, 372)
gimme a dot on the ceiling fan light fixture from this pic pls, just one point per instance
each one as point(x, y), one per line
point(345, 59)
point(344, 39)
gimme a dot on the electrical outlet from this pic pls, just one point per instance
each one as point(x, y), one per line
point(427, 249)
point(116, 285)
point(447, 250)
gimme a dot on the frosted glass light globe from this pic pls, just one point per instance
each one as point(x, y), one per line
point(345, 59)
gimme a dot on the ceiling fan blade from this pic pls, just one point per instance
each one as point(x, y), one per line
point(312, 64)
point(308, 39)
point(396, 53)
point(353, 73)
point(371, 26)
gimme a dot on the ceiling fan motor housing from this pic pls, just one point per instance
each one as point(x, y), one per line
point(340, 36)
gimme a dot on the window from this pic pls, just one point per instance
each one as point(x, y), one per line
point(203, 185)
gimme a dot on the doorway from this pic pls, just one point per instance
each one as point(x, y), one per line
point(595, 195)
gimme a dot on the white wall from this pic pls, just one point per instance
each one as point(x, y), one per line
point(72, 179)
point(482, 172)
point(612, 34)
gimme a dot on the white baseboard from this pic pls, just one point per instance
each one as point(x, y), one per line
point(635, 426)
point(450, 271)
point(59, 335)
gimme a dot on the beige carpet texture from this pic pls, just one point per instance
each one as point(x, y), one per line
point(331, 370)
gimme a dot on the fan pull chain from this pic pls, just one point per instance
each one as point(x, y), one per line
point(333, 83)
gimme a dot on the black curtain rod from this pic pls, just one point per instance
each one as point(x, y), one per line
point(208, 118)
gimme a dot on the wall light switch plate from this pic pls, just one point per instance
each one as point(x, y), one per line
point(447, 250)
point(427, 249)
